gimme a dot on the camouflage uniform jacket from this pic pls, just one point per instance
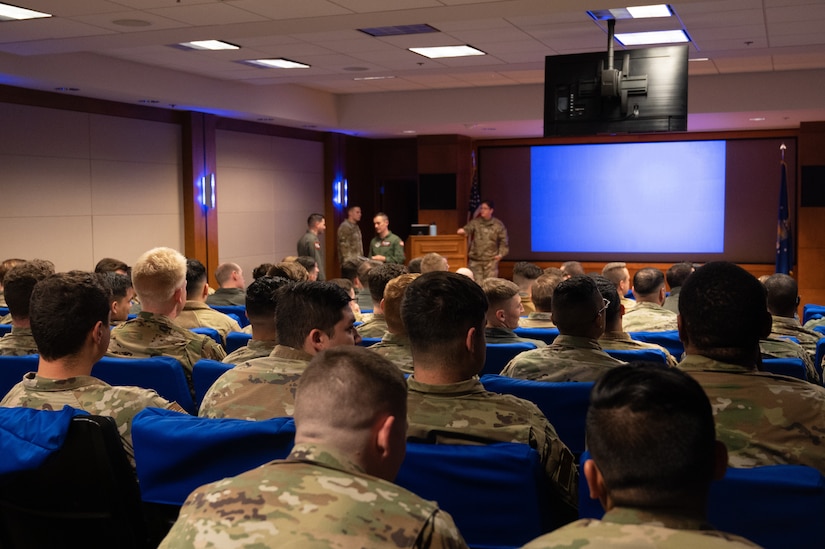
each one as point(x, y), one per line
point(810, 325)
point(649, 317)
point(790, 327)
point(18, 342)
point(466, 413)
point(488, 238)
point(197, 314)
point(90, 394)
point(256, 348)
point(5, 319)
point(629, 304)
point(782, 348)
point(350, 241)
point(527, 302)
point(640, 529)
point(262, 388)
point(568, 358)
point(506, 335)
point(537, 320)
point(763, 418)
point(151, 335)
point(227, 296)
point(309, 245)
point(315, 498)
point(374, 326)
point(395, 348)
point(391, 247)
point(621, 341)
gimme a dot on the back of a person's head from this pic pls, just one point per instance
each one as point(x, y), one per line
point(609, 292)
point(615, 272)
point(19, 283)
point(650, 431)
point(341, 395)
point(380, 275)
point(306, 262)
point(524, 271)
point(64, 308)
point(6, 265)
point(678, 273)
point(414, 266)
point(291, 270)
point(262, 297)
point(575, 305)
point(439, 308)
point(111, 265)
point(543, 288)
point(195, 278)
point(723, 309)
point(261, 270)
point(157, 274)
point(223, 273)
point(305, 306)
point(648, 281)
point(498, 291)
point(118, 284)
point(393, 296)
point(349, 269)
point(572, 268)
point(783, 294)
point(314, 219)
point(433, 262)
point(364, 269)
point(344, 283)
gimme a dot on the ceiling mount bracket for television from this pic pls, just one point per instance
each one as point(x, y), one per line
point(616, 83)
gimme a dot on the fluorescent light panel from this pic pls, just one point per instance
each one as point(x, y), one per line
point(399, 30)
point(278, 63)
point(439, 52)
point(632, 12)
point(654, 37)
point(212, 45)
point(13, 13)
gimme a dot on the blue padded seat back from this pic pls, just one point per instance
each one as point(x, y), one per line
point(204, 373)
point(793, 367)
point(12, 370)
point(669, 340)
point(211, 332)
point(638, 355)
point(238, 312)
point(547, 335)
point(811, 310)
point(236, 340)
point(164, 374)
point(499, 354)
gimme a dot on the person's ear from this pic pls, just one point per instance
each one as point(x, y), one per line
point(621, 309)
point(720, 460)
point(317, 340)
point(595, 483)
point(97, 332)
point(767, 324)
point(205, 289)
point(680, 326)
point(470, 339)
point(381, 304)
point(500, 316)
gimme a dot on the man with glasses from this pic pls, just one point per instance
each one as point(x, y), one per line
point(578, 311)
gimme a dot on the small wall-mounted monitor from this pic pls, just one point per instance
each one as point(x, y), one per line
point(419, 230)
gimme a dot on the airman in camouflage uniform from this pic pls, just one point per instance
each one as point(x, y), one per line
point(782, 348)
point(488, 242)
point(395, 348)
point(648, 315)
point(374, 326)
point(325, 494)
point(350, 241)
point(790, 327)
point(255, 348)
point(568, 358)
point(18, 342)
point(542, 298)
point(261, 302)
point(621, 341)
point(783, 300)
point(503, 313)
point(5, 319)
point(537, 320)
point(197, 314)
point(395, 344)
point(20, 280)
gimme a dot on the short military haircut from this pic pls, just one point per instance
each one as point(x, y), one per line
point(349, 269)
point(574, 307)
point(543, 288)
point(723, 309)
point(524, 270)
point(118, 284)
point(678, 273)
point(344, 283)
point(609, 292)
point(289, 269)
point(414, 266)
point(352, 207)
point(262, 296)
point(64, 308)
point(157, 274)
point(393, 297)
point(572, 268)
point(110, 265)
point(364, 271)
point(380, 275)
point(224, 272)
point(648, 281)
point(783, 294)
point(490, 204)
point(306, 306)
point(433, 262)
point(382, 215)
point(306, 262)
point(6, 265)
point(347, 388)
point(651, 432)
point(439, 308)
point(314, 219)
point(615, 272)
point(498, 291)
point(261, 270)
point(19, 283)
point(195, 277)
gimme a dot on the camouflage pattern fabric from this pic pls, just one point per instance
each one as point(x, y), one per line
point(814, 322)
point(488, 238)
point(672, 300)
point(90, 394)
point(527, 303)
point(782, 348)
point(537, 320)
point(197, 314)
point(465, 413)
point(568, 358)
point(374, 326)
point(621, 341)
point(763, 419)
point(227, 296)
point(5, 319)
point(18, 342)
point(247, 329)
point(790, 327)
point(256, 348)
point(350, 241)
point(309, 245)
point(262, 388)
point(649, 317)
point(391, 247)
point(497, 336)
point(640, 529)
point(3, 299)
point(395, 348)
point(151, 335)
point(315, 498)
point(629, 304)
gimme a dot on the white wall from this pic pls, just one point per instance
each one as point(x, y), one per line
point(77, 187)
point(266, 188)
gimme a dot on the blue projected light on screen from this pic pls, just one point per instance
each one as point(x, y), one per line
point(629, 197)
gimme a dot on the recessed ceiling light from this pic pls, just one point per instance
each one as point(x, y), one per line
point(653, 37)
point(438, 52)
point(632, 12)
point(373, 77)
point(408, 131)
point(212, 45)
point(13, 13)
point(277, 63)
point(399, 30)
point(757, 119)
point(699, 59)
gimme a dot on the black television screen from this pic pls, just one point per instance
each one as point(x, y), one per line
point(651, 94)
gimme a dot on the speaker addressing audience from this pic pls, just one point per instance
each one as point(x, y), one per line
point(762, 418)
point(20, 281)
point(335, 488)
point(653, 456)
point(445, 314)
point(385, 246)
point(488, 242)
point(648, 315)
point(309, 317)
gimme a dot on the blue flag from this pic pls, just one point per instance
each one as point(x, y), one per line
point(784, 235)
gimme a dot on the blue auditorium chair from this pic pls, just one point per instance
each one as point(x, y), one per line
point(4, 311)
point(204, 373)
point(638, 355)
point(236, 340)
point(793, 367)
point(547, 335)
point(669, 340)
point(499, 354)
point(211, 332)
point(237, 312)
point(367, 341)
point(5, 329)
point(162, 373)
point(811, 310)
point(12, 370)
point(820, 352)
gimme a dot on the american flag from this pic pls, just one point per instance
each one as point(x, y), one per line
point(784, 234)
point(475, 192)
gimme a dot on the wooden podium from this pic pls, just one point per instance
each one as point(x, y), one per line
point(451, 246)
